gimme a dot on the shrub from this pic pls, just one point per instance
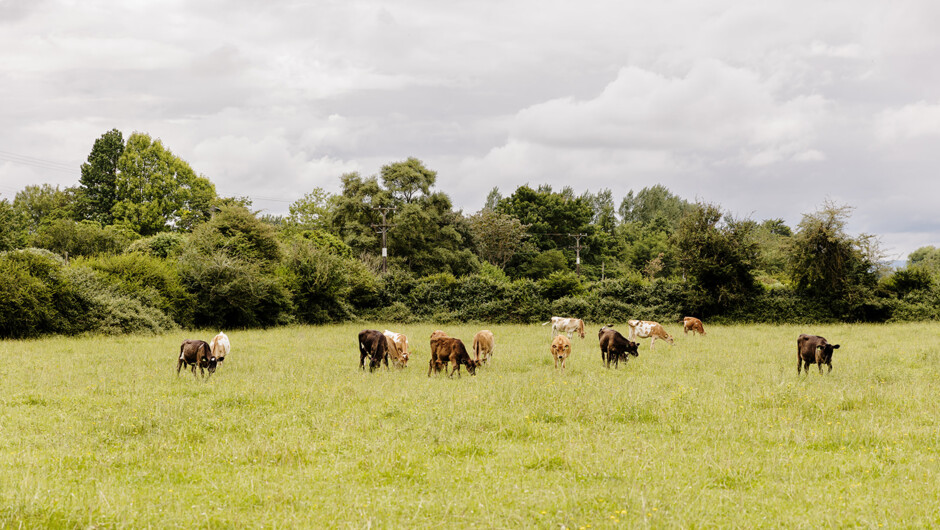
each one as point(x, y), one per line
point(560, 284)
point(319, 282)
point(83, 238)
point(162, 245)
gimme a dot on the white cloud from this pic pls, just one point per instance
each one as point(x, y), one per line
point(916, 120)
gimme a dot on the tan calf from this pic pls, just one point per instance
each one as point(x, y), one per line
point(692, 324)
point(561, 349)
point(483, 343)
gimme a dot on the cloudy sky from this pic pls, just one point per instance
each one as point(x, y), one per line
point(766, 108)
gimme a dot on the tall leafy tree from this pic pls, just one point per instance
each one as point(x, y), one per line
point(654, 204)
point(98, 183)
point(497, 236)
point(157, 191)
point(717, 254)
point(44, 203)
point(406, 180)
point(828, 263)
point(551, 216)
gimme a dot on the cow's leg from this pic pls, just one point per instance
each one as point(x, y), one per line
point(430, 366)
point(830, 368)
point(652, 343)
point(820, 365)
point(799, 363)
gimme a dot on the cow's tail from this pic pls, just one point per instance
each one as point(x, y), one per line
point(476, 348)
point(546, 323)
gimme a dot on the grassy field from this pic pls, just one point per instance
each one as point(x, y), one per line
point(715, 431)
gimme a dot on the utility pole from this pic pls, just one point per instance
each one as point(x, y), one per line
point(383, 229)
point(577, 251)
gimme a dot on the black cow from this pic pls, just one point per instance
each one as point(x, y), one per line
point(615, 346)
point(196, 353)
point(372, 345)
point(813, 349)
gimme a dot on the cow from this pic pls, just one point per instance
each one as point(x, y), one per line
point(445, 350)
point(220, 347)
point(196, 353)
point(647, 329)
point(813, 349)
point(372, 344)
point(561, 349)
point(483, 343)
point(399, 348)
point(615, 346)
point(566, 325)
point(692, 324)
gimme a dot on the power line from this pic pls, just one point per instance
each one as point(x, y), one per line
point(32, 161)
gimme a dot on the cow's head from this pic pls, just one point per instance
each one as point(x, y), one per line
point(824, 351)
point(633, 348)
point(472, 366)
point(213, 362)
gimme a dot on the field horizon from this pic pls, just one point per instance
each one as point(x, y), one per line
point(714, 431)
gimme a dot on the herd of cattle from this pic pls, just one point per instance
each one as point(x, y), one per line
point(446, 351)
point(449, 351)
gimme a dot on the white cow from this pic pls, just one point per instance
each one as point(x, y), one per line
point(646, 329)
point(220, 347)
point(566, 325)
point(401, 345)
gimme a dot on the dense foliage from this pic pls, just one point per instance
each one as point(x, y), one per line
point(143, 243)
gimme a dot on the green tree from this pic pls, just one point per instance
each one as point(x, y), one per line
point(311, 212)
point(828, 264)
point(717, 254)
point(44, 203)
point(654, 204)
point(12, 227)
point(497, 236)
point(98, 183)
point(927, 257)
point(404, 180)
point(551, 216)
point(157, 191)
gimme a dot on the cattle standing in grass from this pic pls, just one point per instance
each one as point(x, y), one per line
point(561, 349)
point(645, 329)
point(372, 344)
point(220, 346)
point(566, 325)
point(445, 350)
point(196, 353)
point(813, 349)
point(692, 324)
point(399, 352)
point(615, 346)
point(483, 343)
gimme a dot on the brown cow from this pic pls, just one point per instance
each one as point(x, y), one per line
point(561, 349)
point(196, 353)
point(692, 324)
point(813, 349)
point(615, 346)
point(483, 343)
point(446, 349)
point(372, 344)
point(646, 329)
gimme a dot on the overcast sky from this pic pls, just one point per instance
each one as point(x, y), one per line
point(765, 108)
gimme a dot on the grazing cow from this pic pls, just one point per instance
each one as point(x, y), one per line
point(196, 353)
point(483, 343)
point(446, 349)
point(561, 349)
point(645, 329)
point(372, 344)
point(615, 346)
point(566, 325)
point(692, 324)
point(220, 347)
point(813, 349)
point(399, 352)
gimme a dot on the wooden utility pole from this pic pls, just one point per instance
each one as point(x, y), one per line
point(577, 251)
point(383, 229)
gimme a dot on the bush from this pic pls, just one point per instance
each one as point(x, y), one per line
point(83, 238)
point(232, 292)
point(162, 245)
point(153, 281)
point(560, 284)
point(319, 282)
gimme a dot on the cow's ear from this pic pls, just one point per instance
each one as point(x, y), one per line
point(835, 346)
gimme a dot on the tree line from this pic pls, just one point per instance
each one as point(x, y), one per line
point(143, 243)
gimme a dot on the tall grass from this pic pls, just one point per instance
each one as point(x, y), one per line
point(715, 431)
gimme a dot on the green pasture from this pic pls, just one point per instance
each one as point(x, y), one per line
point(715, 431)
